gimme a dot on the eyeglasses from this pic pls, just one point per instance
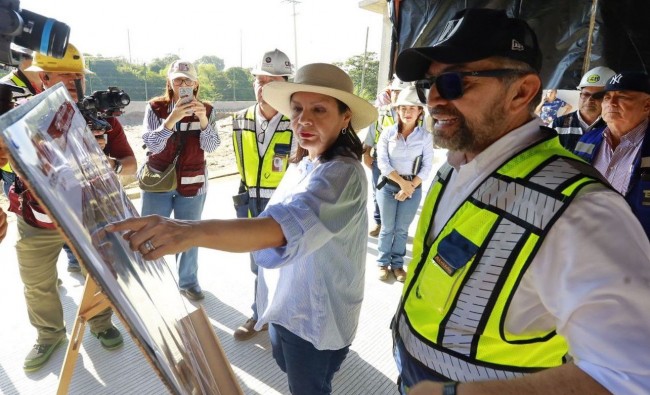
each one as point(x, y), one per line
point(450, 85)
point(595, 96)
point(183, 81)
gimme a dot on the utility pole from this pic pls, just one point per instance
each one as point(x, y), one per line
point(128, 39)
point(295, 34)
point(146, 91)
point(241, 49)
point(365, 59)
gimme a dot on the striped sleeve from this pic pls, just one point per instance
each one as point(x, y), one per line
point(156, 134)
point(209, 138)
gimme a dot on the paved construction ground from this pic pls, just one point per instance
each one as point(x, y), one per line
point(228, 285)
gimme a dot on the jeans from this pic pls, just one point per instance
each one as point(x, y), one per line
point(375, 179)
point(396, 218)
point(309, 370)
point(255, 207)
point(185, 208)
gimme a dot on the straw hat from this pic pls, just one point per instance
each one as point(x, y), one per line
point(325, 79)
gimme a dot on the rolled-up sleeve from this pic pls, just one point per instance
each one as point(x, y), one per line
point(155, 134)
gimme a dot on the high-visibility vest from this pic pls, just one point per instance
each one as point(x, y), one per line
point(386, 119)
point(460, 285)
point(260, 174)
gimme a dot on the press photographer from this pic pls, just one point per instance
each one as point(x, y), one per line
point(99, 108)
point(39, 244)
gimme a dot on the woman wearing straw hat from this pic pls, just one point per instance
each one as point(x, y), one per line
point(310, 242)
point(404, 157)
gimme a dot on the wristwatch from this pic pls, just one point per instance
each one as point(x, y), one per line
point(449, 388)
point(117, 168)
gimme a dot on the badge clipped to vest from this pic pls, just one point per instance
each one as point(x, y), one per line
point(280, 157)
point(454, 252)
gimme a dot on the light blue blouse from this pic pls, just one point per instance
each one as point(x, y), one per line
point(396, 153)
point(313, 286)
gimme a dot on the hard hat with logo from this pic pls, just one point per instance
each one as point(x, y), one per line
point(275, 63)
point(397, 84)
point(598, 77)
point(72, 62)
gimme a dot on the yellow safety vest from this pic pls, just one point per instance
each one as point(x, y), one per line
point(384, 121)
point(460, 284)
point(16, 81)
point(260, 174)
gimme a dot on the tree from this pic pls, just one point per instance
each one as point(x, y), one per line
point(160, 65)
point(214, 60)
point(239, 85)
point(354, 66)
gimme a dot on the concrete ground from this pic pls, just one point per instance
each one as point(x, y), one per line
point(228, 285)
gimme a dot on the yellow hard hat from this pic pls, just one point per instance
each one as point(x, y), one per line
point(72, 62)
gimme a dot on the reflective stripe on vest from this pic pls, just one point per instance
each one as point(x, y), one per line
point(502, 224)
point(257, 172)
point(384, 122)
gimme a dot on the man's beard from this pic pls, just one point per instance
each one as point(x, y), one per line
point(472, 137)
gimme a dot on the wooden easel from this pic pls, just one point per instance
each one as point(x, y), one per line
point(92, 303)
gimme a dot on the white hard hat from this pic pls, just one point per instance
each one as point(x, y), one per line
point(275, 63)
point(408, 97)
point(397, 84)
point(598, 76)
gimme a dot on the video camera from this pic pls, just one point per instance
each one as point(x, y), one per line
point(101, 105)
point(30, 30)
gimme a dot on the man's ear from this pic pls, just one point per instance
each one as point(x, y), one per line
point(523, 91)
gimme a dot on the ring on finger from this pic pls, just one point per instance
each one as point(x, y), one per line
point(148, 245)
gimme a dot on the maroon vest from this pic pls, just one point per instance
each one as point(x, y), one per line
point(190, 167)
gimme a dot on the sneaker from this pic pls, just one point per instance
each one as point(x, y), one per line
point(73, 267)
point(110, 339)
point(247, 330)
point(383, 273)
point(375, 231)
point(193, 293)
point(40, 354)
point(400, 274)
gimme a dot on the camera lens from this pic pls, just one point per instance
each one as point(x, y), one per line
point(45, 35)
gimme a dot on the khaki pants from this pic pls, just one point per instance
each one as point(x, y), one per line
point(38, 252)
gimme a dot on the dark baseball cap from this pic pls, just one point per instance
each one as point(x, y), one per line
point(635, 81)
point(473, 34)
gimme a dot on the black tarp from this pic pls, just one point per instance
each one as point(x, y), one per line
point(620, 34)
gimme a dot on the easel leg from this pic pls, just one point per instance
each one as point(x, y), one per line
point(92, 302)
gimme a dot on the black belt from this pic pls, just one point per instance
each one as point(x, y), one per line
point(386, 180)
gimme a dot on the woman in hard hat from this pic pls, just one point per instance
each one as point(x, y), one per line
point(310, 242)
point(178, 131)
point(404, 158)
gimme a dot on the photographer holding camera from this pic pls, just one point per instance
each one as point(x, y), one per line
point(39, 243)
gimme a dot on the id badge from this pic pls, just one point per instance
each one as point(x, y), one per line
point(279, 163)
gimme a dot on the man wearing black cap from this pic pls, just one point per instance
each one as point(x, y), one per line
point(620, 151)
point(513, 290)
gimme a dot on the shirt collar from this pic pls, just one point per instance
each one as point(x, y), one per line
point(633, 137)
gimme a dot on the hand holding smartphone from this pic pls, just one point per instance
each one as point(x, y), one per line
point(186, 94)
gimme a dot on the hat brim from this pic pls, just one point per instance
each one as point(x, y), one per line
point(413, 63)
point(278, 95)
point(37, 68)
point(262, 72)
point(174, 75)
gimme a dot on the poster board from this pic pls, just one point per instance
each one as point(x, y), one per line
point(58, 157)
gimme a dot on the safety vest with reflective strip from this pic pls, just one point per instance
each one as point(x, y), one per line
point(454, 324)
point(386, 119)
point(259, 173)
point(15, 80)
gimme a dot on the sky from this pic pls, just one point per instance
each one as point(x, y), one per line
point(237, 31)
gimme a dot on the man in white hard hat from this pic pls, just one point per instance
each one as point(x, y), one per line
point(39, 242)
point(387, 117)
point(262, 140)
point(587, 117)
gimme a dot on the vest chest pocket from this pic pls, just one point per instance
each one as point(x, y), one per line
point(280, 157)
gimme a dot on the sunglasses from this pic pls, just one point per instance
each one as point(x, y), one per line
point(450, 85)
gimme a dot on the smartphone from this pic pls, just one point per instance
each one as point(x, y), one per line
point(186, 94)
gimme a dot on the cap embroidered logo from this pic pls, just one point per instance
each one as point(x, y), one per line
point(517, 46)
point(450, 28)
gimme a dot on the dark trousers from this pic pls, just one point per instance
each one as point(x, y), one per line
point(375, 179)
point(309, 370)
